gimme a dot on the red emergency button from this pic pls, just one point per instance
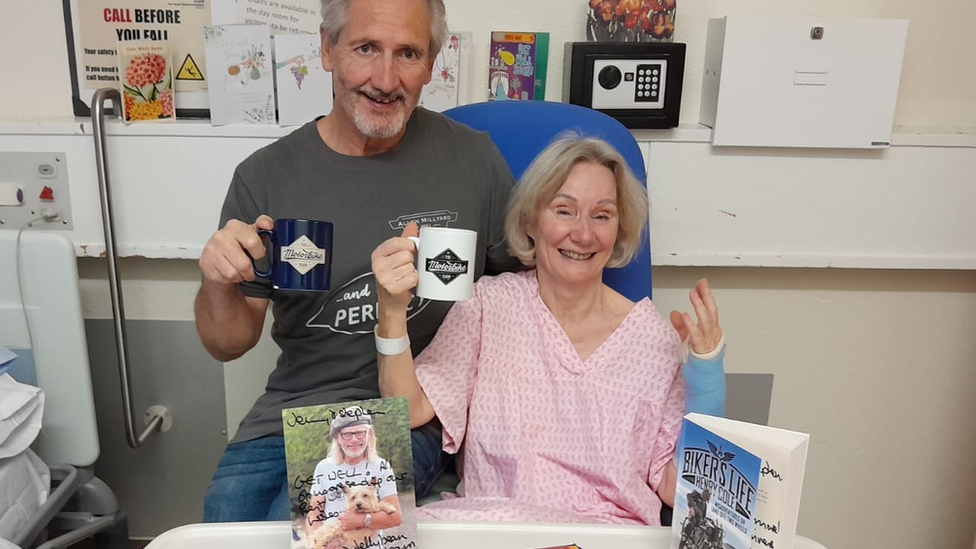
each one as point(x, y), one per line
point(47, 193)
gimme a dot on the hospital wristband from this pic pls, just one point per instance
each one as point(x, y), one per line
point(390, 347)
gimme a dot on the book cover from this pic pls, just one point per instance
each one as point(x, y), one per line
point(304, 87)
point(241, 88)
point(146, 78)
point(444, 89)
point(715, 492)
point(350, 473)
point(517, 66)
point(781, 455)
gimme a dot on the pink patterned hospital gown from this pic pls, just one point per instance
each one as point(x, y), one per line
point(548, 437)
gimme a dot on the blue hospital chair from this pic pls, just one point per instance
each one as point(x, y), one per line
point(521, 129)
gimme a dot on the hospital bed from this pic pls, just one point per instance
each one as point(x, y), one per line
point(79, 504)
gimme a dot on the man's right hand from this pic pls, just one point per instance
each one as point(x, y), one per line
point(226, 260)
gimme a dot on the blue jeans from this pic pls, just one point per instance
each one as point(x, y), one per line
point(251, 480)
point(250, 483)
point(429, 460)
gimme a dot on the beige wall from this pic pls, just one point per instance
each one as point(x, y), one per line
point(877, 365)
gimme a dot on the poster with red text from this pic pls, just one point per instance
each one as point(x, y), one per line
point(97, 27)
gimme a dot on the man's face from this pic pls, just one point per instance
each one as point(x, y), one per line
point(380, 64)
point(353, 440)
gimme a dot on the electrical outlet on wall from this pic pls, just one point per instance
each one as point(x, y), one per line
point(34, 190)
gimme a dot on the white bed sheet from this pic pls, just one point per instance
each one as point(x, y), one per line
point(25, 484)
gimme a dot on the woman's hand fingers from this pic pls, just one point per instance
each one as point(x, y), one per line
point(678, 321)
point(695, 336)
point(705, 334)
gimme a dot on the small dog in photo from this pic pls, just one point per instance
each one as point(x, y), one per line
point(359, 499)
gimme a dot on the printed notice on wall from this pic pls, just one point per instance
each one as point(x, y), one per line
point(105, 23)
point(281, 16)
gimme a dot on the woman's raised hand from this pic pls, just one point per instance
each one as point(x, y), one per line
point(705, 335)
point(394, 270)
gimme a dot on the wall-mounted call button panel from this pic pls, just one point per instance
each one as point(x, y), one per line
point(32, 183)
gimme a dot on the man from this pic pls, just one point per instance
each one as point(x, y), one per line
point(373, 166)
point(353, 461)
point(697, 510)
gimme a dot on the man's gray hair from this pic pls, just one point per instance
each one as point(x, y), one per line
point(334, 19)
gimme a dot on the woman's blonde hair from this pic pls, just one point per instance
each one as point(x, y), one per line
point(337, 455)
point(546, 175)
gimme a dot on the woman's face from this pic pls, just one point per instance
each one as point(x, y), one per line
point(576, 232)
point(353, 440)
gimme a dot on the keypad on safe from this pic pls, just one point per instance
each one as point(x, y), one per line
point(648, 85)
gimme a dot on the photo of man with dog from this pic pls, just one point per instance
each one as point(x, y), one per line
point(349, 464)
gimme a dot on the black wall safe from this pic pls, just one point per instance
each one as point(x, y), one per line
point(639, 84)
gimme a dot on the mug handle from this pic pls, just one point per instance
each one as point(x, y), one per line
point(271, 239)
point(416, 251)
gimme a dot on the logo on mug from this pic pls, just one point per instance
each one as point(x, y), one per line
point(447, 266)
point(303, 255)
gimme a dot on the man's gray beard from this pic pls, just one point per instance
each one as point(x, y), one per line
point(375, 131)
point(351, 455)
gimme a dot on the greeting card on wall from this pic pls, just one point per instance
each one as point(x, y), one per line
point(241, 84)
point(517, 66)
point(350, 475)
point(147, 81)
point(96, 27)
point(445, 87)
point(304, 87)
point(630, 20)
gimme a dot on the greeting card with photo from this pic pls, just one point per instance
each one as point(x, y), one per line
point(350, 472)
point(146, 78)
point(304, 87)
point(241, 88)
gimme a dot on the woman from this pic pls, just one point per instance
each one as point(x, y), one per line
point(567, 396)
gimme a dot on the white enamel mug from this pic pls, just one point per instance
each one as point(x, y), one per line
point(445, 263)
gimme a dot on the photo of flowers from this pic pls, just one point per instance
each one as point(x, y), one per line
point(146, 77)
point(630, 20)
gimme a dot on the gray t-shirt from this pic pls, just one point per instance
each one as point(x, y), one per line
point(441, 174)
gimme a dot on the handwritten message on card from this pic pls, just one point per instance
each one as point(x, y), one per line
point(350, 466)
point(768, 508)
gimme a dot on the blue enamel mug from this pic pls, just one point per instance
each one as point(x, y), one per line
point(300, 255)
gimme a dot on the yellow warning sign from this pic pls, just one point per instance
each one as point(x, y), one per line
point(189, 70)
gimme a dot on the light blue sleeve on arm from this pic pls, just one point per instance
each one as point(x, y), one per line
point(705, 385)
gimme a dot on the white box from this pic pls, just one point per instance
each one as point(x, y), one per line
point(780, 82)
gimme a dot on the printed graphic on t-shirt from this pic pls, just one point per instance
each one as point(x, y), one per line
point(303, 254)
point(351, 309)
point(446, 266)
point(436, 218)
